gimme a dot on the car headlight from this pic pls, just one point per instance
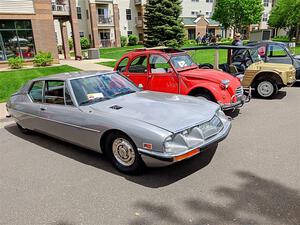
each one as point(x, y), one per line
point(173, 146)
point(225, 84)
point(195, 136)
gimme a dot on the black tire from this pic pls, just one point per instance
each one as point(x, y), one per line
point(137, 165)
point(206, 66)
point(205, 95)
point(270, 84)
point(24, 130)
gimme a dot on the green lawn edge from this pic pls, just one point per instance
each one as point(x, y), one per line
point(12, 81)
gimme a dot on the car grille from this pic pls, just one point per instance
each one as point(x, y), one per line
point(239, 92)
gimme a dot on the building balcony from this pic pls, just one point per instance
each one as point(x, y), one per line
point(105, 21)
point(139, 21)
point(107, 43)
point(60, 8)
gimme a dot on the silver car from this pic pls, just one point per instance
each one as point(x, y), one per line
point(105, 112)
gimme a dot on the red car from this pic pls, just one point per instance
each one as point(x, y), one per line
point(173, 71)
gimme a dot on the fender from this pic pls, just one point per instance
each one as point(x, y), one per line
point(220, 95)
point(249, 79)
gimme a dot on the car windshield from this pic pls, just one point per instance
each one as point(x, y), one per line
point(254, 55)
point(89, 90)
point(245, 54)
point(182, 61)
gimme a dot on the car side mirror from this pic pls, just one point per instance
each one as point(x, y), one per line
point(140, 86)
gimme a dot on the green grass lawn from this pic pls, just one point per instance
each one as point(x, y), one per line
point(11, 81)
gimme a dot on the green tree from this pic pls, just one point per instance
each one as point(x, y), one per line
point(238, 13)
point(163, 24)
point(283, 17)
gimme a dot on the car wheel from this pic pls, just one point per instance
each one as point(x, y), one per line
point(205, 96)
point(206, 66)
point(24, 130)
point(266, 88)
point(123, 153)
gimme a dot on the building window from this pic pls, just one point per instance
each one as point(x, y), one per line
point(128, 14)
point(87, 14)
point(208, 14)
point(265, 17)
point(79, 16)
point(266, 3)
point(195, 13)
point(195, 0)
point(81, 34)
point(209, 1)
point(129, 33)
point(16, 39)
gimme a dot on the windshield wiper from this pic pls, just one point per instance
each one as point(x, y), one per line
point(124, 93)
point(94, 100)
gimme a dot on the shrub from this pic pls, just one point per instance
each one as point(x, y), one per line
point(43, 59)
point(123, 41)
point(281, 38)
point(71, 44)
point(132, 40)
point(189, 42)
point(16, 62)
point(84, 42)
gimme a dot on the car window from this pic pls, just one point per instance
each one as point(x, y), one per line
point(139, 65)
point(159, 64)
point(122, 65)
point(276, 51)
point(36, 91)
point(68, 99)
point(54, 92)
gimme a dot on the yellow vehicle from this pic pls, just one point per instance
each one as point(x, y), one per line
point(265, 79)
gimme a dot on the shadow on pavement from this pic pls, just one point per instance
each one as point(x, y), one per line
point(152, 177)
point(256, 201)
point(233, 113)
point(296, 84)
point(280, 95)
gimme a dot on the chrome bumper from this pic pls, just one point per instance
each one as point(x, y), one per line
point(158, 159)
point(245, 98)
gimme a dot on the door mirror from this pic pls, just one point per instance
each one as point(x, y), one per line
point(140, 86)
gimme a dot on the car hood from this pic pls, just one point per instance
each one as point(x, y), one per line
point(209, 74)
point(170, 112)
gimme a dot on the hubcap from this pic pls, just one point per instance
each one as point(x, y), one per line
point(123, 152)
point(265, 88)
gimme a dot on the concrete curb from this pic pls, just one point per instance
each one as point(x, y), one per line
point(3, 111)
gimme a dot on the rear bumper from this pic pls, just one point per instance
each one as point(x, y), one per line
point(158, 159)
point(289, 84)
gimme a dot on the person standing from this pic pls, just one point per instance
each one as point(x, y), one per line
point(237, 40)
point(198, 38)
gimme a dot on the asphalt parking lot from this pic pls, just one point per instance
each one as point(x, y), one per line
point(252, 178)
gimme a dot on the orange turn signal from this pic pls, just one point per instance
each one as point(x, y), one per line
point(187, 155)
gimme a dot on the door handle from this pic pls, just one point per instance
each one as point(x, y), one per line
point(43, 108)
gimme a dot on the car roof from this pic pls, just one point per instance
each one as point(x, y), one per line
point(266, 42)
point(155, 50)
point(72, 75)
point(217, 47)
